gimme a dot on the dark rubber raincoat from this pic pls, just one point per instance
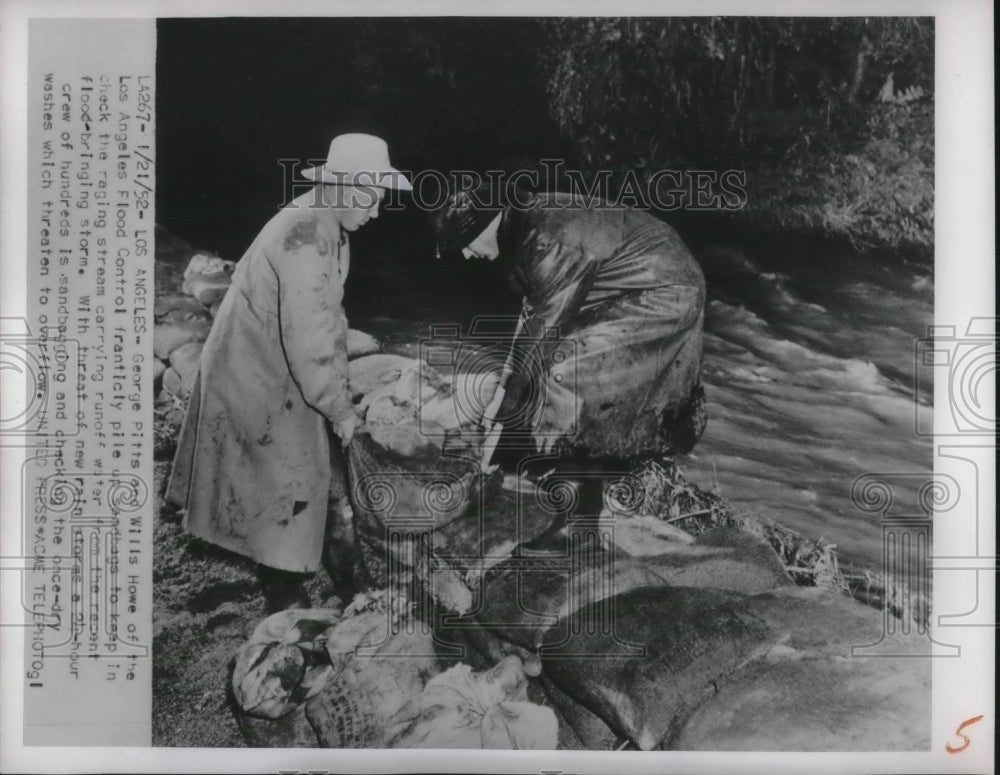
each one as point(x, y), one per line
point(608, 363)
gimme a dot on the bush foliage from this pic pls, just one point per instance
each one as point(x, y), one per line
point(832, 118)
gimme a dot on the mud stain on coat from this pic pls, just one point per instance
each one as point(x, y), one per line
point(302, 233)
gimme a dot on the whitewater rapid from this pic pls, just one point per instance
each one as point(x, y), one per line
point(810, 377)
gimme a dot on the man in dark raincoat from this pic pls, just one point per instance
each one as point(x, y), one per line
point(259, 451)
point(606, 365)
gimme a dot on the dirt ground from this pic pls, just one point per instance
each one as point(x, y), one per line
point(205, 604)
point(205, 600)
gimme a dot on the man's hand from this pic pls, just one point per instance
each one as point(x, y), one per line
point(345, 428)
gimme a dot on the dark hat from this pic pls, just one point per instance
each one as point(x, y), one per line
point(464, 216)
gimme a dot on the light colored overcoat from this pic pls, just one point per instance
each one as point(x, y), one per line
point(253, 464)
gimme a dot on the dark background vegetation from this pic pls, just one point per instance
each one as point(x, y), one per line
point(831, 118)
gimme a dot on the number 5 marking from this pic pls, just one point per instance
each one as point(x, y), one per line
point(968, 722)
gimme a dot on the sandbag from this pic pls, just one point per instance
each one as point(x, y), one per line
point(390, 389)
point(178, 308)
point(480, 647)
point(647, 536)
point(177, 385)
point(404, 485)
point(167, 337)
point(461, 709)
point(360, 344)
point(457, 402)
point(290, 731)
point(523, 599)
point(401, 477)
point(186, 359)
point(380, 662)
point(203, 264)
point(208, 277)
point(488, 532)
point(371, 371)
point(410, 477)
point(817, 705)
point(578, 727)
point(822, 620)
point(722, 558)
point(313, 676)
point(750, 549)
point(808, 694)
point(666, 653)
point(280, 666)
point(208, 290)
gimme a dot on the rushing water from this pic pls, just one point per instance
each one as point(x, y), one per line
point(809, 365)
point(809, 372)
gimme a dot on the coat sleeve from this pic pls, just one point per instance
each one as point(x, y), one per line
point(312, 323)
point(556, 278)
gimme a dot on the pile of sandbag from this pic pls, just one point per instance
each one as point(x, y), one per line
point(701, 645)
point(705, 648)
point(415, 467)
point(390, 390)
point(207, 278)
point(181, 321)
point(371, 678)
point(636, 633)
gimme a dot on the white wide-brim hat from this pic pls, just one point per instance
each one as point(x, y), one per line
point(358, 159)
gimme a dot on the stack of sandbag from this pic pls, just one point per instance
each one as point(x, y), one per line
point(180, 327)
point(181, 321)
point(393, 389)
point(415, 465)
point(526, 599)
point(371, 679)
point(697, 645)
point(207, 278)
point(313, 677)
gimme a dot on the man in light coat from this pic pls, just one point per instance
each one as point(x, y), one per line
point(262, 441)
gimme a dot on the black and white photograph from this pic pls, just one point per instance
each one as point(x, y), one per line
point(544, 353)
point(612, 384)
